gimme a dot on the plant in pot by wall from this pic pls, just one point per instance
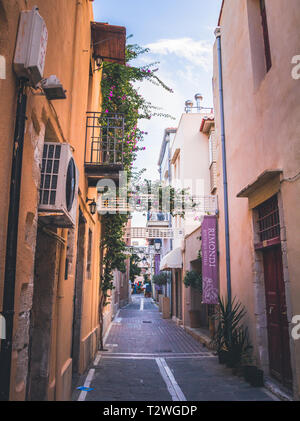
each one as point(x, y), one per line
point(240, 348)
point(160, 279)
point(193, 279)
point(233, 344)
point(231, 339)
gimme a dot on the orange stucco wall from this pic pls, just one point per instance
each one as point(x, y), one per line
point(69, 56)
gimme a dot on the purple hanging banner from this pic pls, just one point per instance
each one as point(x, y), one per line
point(210, 289)
point(156, 264)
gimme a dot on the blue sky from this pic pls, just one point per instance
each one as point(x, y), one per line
point(180, 35)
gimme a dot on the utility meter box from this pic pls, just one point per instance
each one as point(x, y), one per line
point(30, 53)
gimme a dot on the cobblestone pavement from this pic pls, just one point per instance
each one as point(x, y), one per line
point(152, 359)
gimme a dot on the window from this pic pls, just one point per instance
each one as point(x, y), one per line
point(89, 255)
point(268, 220)
point(265, 34)
point(259, 40)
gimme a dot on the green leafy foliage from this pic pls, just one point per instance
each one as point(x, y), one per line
point(153, 196)
point(193, 279)
point(160, 279)
point(146, 277)
point(135, 270)
point(121, 95)
point(231, 335)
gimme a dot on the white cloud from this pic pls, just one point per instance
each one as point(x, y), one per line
point(197, 52)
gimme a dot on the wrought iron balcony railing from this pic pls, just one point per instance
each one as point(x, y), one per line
point(104, 141)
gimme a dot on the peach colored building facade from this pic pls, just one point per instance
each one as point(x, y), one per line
point(56, 320)
point(190, 169)
point(262, 130)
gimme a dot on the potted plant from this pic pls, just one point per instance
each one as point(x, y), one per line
point(193, 279)
point(240, 348)
point(160, 279)
point(231, 339)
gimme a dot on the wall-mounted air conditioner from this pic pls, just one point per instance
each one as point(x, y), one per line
point(59, 186)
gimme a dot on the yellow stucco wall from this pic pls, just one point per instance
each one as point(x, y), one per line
point(68, 57)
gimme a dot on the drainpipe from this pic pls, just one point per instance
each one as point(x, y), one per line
point(223, 142)
point(12, 242)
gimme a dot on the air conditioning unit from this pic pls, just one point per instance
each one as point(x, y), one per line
point(59, 186)
point(31, 46)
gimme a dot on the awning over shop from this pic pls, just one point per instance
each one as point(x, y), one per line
point(172, 260)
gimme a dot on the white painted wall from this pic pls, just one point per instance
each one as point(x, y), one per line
point(191, 168)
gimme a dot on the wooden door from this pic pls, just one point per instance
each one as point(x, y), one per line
point(278, 332)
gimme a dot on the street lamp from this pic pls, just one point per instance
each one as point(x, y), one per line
point(157, 246)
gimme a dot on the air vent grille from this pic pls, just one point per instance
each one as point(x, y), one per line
point(49, 174)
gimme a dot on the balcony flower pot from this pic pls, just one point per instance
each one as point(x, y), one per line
point(195, 318)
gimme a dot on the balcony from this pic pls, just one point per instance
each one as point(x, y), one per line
point(154, 233)
point(158, 219)
point(104, 141)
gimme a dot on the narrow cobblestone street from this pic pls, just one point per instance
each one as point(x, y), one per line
point(149, 358)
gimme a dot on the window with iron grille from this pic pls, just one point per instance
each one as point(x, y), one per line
point(268, 219)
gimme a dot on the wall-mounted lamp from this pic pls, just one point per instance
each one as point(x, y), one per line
point(92, 205)
point(98, 61)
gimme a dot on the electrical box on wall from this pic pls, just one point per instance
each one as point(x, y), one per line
point(30, 53)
